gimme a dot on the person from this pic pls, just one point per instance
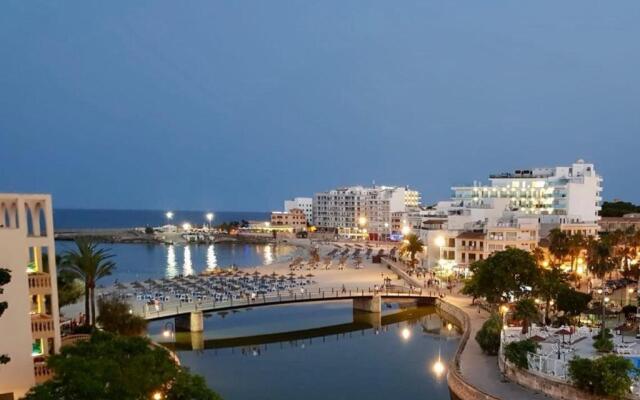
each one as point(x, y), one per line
point(344, 289)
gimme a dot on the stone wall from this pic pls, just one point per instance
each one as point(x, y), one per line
point(554, 388)
point(458, 386)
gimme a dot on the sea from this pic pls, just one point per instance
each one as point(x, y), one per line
point(69, 218)
point(137, 262)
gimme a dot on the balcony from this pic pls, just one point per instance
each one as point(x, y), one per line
point(39, 282)
point(41, 372)
point(42, 326)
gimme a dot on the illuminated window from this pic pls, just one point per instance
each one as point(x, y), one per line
point(36, 348)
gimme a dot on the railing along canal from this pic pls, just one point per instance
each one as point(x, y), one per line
point(177, 307)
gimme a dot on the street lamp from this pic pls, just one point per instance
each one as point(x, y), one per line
point(169, 215)
point(405, 230)
point(157, 396)
point(604, 301)
point(209, 218)
point(186, 226)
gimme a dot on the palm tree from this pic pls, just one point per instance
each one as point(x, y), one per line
point(412, 245)
point(89, 263)
point(551, 282)
point(558, 245)
point(526, 311)
point(600, 257)
point(575, 246)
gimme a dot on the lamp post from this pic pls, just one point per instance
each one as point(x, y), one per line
point(169, 215)
point(209, 218)
point(362, 222)
point(440, 242)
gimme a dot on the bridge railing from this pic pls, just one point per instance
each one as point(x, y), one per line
point(177, 307)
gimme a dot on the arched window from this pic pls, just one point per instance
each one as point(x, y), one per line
point(29, 216)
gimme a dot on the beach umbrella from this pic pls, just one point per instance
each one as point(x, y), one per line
point(537, 338)
point(563, 332)
point(310, 275)
point(255, 273)
point(292, 274)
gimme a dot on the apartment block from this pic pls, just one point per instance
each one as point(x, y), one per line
point(30, 326)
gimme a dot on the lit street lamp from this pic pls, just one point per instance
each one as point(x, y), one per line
point(209, 218)
point(169, 215)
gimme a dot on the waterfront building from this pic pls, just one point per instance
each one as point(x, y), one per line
point(559, 194)
point(30, 326)
point(303, 203)
point(295, 220)
point(610, 224)
point(361, 212)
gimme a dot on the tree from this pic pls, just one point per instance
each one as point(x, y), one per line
point(572, 302)
point(70, 288)
point(618, 208)
point(516, 352)
point(502, 276)
point(110, 367)
point(5, 278)
point(604, 376)
point(599, 256)
point(526, 311)
point(576, 243)
point(558, 245)
point(549, 285)
point(115, 318)
point(488, 337)
point(89, 263)
point(412, 245)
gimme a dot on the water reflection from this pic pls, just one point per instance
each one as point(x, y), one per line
point(404, 322)
point(187, 267)
point(212, 262)
point(268, 255)
point(280, 352)
point(172, 266)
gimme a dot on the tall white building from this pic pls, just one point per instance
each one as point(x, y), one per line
point(558, 195)
point(303, 203)
point(30, 325)
point(359, 211)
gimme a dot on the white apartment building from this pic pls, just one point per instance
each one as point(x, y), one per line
point(303, 203)
point(30, 325)
point(558, 195)
point(359, 211)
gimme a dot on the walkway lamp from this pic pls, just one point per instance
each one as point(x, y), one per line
point(157, 396)
point(209, 218)
point(604, 301)
point(169, 215)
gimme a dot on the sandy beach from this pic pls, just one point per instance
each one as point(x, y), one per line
point(366, 275)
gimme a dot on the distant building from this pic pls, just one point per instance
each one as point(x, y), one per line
point(303, 203)
point(610, 224)
point(364, 212)
point(295, 220)
point(30, 326)
point(560, 194)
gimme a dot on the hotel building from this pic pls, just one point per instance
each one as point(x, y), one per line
point(30, 325)
point(294, 220)
point(364, 212)
point(559, 195)
point(303, 203)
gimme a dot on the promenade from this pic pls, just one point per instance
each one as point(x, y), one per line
point(478, 369)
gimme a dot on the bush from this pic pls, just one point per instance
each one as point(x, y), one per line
point(516, 352)
point(607, 334)
point(488, 337)
point(603, 345)
point(604, 376)
point(149, 230)
point(116, 367)
point(114, 317)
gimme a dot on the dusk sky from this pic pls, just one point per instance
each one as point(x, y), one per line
point(237, 105)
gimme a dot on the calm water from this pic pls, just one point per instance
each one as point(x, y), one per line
point(142, 261)
point(318, 351)
point(86, 219)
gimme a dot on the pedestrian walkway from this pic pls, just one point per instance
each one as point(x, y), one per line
point(478, 369)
